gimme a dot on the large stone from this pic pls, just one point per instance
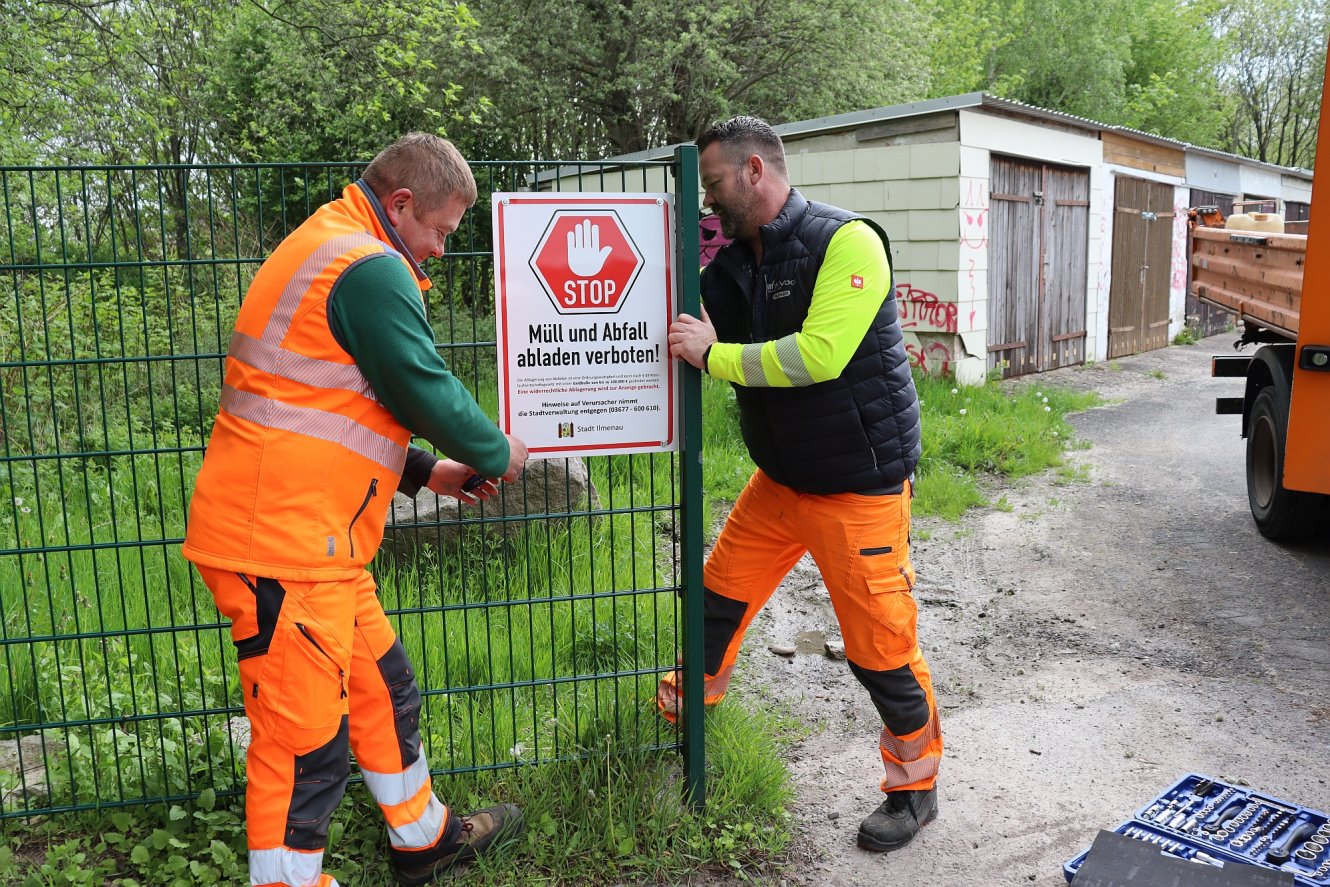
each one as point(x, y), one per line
point(23, 761)
point(428, 521)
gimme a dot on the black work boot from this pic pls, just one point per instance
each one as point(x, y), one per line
point(898, 819)
point(479, 831)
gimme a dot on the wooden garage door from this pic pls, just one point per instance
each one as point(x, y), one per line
point(1037, 261)
point(1206, 318)
point(1142, 251)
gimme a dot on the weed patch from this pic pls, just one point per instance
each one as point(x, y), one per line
point(604, 818)
point(991, 429)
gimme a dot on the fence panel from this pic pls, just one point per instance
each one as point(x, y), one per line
point(538, 624)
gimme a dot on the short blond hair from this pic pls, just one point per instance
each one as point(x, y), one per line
point(429, 165)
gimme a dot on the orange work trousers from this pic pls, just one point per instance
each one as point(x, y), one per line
point(861, 544)
point(321, 669)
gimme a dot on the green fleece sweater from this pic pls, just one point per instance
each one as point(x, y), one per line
point(376, 313)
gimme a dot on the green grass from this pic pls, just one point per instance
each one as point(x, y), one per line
point(1188, 335)
point(1003, 430)
point(607, 818)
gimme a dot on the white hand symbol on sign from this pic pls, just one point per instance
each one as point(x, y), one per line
point(585, 255)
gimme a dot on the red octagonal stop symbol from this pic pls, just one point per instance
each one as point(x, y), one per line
point(586, 261)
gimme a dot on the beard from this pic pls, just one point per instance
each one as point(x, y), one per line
point(738, 217)
point(728, 225)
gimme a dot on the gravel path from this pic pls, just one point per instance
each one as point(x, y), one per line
point(1089, 646)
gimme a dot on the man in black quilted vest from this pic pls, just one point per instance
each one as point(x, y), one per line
point(799, 315)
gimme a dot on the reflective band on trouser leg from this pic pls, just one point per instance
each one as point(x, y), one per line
point(670, 702)
point(385, 732)
point(756, 548)
point(414, 815)
point(282, 867)
point(911, 762)
point(861, 545)
point(903, 696)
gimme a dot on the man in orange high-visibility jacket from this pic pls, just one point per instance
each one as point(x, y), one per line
point(331, 369)
point(799, 314)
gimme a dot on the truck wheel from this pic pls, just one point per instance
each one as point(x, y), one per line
point(1279, 513)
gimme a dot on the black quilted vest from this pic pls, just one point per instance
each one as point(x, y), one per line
point(855, 433)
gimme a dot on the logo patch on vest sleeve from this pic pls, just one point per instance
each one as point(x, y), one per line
point(856, 281)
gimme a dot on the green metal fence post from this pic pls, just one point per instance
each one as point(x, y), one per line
point(690, 388)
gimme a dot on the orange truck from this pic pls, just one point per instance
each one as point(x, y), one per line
point(1278, 286)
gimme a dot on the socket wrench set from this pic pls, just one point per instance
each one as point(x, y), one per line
point(1213, 823)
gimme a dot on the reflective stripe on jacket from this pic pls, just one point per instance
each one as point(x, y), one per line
point(303, 459)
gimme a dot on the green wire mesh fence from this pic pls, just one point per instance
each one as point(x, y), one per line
point(538, 623)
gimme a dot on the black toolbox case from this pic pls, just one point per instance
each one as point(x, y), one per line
point(1204, 819)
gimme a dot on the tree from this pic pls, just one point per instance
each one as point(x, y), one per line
point(963, 42)
point(1171, 81)
point(322, 79)
point(616, 76)
point(1274, 70)
point(115, 82)
point(1146, 64)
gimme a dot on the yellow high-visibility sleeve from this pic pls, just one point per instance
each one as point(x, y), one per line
point(850, 288)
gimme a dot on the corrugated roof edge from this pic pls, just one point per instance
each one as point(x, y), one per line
point(819, 125)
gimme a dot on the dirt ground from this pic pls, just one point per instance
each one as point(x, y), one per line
point(1089, 647)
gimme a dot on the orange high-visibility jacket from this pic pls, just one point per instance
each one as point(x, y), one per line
point(303, 459)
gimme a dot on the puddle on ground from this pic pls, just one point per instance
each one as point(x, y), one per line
point(810, 642)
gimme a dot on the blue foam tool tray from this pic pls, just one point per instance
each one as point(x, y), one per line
point(1211, 822)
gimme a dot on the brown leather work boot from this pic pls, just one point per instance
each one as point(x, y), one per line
point(898, 819)
point(479, 831)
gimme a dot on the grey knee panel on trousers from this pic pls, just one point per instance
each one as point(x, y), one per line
point(320, 782)
point(899, 698)
point(400, 680)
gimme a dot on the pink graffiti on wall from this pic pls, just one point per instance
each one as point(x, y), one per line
point(933, 358)
point(921, 308)
point(974, 215)
point(974, 227)
point(1105, 258)
point(1178, 281)
point(974, 235)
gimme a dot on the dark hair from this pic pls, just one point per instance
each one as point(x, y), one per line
point(743, 136)
point(431, 166)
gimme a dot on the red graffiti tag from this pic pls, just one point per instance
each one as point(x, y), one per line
point(920, 355)
point(918, 307)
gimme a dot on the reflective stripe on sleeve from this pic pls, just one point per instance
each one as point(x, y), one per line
point(751, 361)
point(792, 361)
point(310, 422)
